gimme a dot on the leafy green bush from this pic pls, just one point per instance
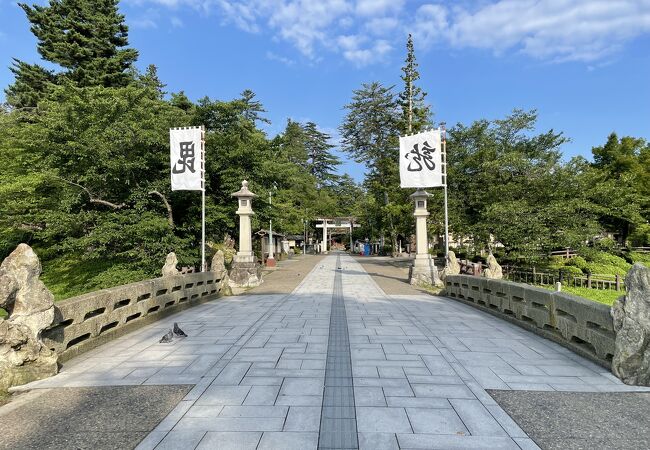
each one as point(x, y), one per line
point(577, 262)
point(573, 270)
point(605, 244)
point(639, 257)
point(606, 263)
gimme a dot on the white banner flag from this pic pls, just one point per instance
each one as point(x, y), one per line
point(420, 160)
point(186, 156)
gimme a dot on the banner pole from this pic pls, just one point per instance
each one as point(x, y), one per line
point(444, 151)
point(203, 268)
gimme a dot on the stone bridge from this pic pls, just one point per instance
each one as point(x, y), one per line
point(321, 356)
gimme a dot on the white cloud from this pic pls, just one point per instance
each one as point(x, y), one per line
point(430, 24)
point(354, 49)
point(556, 30)
point(283, 59)
point(378, 7)
point(305, 22)
point(381, 26)
point(145, 23)
point(547, 30)
point(176, 22)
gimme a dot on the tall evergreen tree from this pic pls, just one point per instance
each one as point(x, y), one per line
point(416, 114)
point(88, 38)
point(32, 82)
point(150, 79)
point(292, 142)
point(322, 163)
point(370, 133)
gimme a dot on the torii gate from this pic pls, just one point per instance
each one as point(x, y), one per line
point(336, 222)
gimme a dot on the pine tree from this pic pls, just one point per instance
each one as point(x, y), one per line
point(32, 82)
point(293, 144)
point(252, 108)
point(416, 114)
point(151, 80)
point(180, 100)
point(322, 163)
point(88, 38)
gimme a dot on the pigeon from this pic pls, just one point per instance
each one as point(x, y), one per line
point(167, 338)
point(178, 331)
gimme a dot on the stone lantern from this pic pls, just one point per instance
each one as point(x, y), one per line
point(245, 272)
point(423, 270)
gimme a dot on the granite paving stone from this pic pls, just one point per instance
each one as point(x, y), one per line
point(382, 419)
point(214, 440)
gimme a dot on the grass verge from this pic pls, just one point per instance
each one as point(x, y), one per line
point(70, 276)
point(606, 297)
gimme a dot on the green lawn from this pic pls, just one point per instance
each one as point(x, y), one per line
point(606, 297)
point(69, 277)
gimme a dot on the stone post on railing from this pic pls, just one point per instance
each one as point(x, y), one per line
point(245, 272)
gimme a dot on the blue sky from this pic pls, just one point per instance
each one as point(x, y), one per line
point(583, 64)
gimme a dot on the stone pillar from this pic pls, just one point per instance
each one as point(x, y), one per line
point(424, 270)
point(324, 246)
point(245, 272)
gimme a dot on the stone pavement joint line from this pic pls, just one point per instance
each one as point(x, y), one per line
point(338, 425)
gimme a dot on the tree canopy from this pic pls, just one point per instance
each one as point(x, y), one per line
point(84, 165)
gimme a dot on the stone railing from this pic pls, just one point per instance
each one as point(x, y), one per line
point(86, 321)
point(581, 325)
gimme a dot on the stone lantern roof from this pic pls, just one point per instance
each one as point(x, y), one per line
point(419, 194)
point(244, 192)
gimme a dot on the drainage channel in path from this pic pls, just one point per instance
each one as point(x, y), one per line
point(338, 425)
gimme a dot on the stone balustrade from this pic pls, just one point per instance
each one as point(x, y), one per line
point(86, 321)
point(581, 325)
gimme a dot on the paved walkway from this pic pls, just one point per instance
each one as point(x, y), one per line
point(264, 365)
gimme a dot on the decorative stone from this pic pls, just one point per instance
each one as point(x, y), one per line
point(218, 262)
point(169, 269)
point(452, 268)
point(219, 267)
point(494, 269)
point(631, 314)
point(228, 248)
point(30, 307)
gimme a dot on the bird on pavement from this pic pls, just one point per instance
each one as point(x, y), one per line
point(178, 331)
point(167, 338)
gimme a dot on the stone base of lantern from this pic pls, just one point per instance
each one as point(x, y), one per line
point(245, 272)
point(424, 272)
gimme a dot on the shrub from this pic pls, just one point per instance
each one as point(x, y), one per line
point(639, 257)
point(572, 270)
point(605, 244)
point(577, 262)
point(606, 263)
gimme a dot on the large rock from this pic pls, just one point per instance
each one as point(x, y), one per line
point(229, 250)
point(30, 308)
point(169, 269)
point(493, 269)
point(631, 315)
point(452, 267)
point(245, 274)
point(218, 265)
